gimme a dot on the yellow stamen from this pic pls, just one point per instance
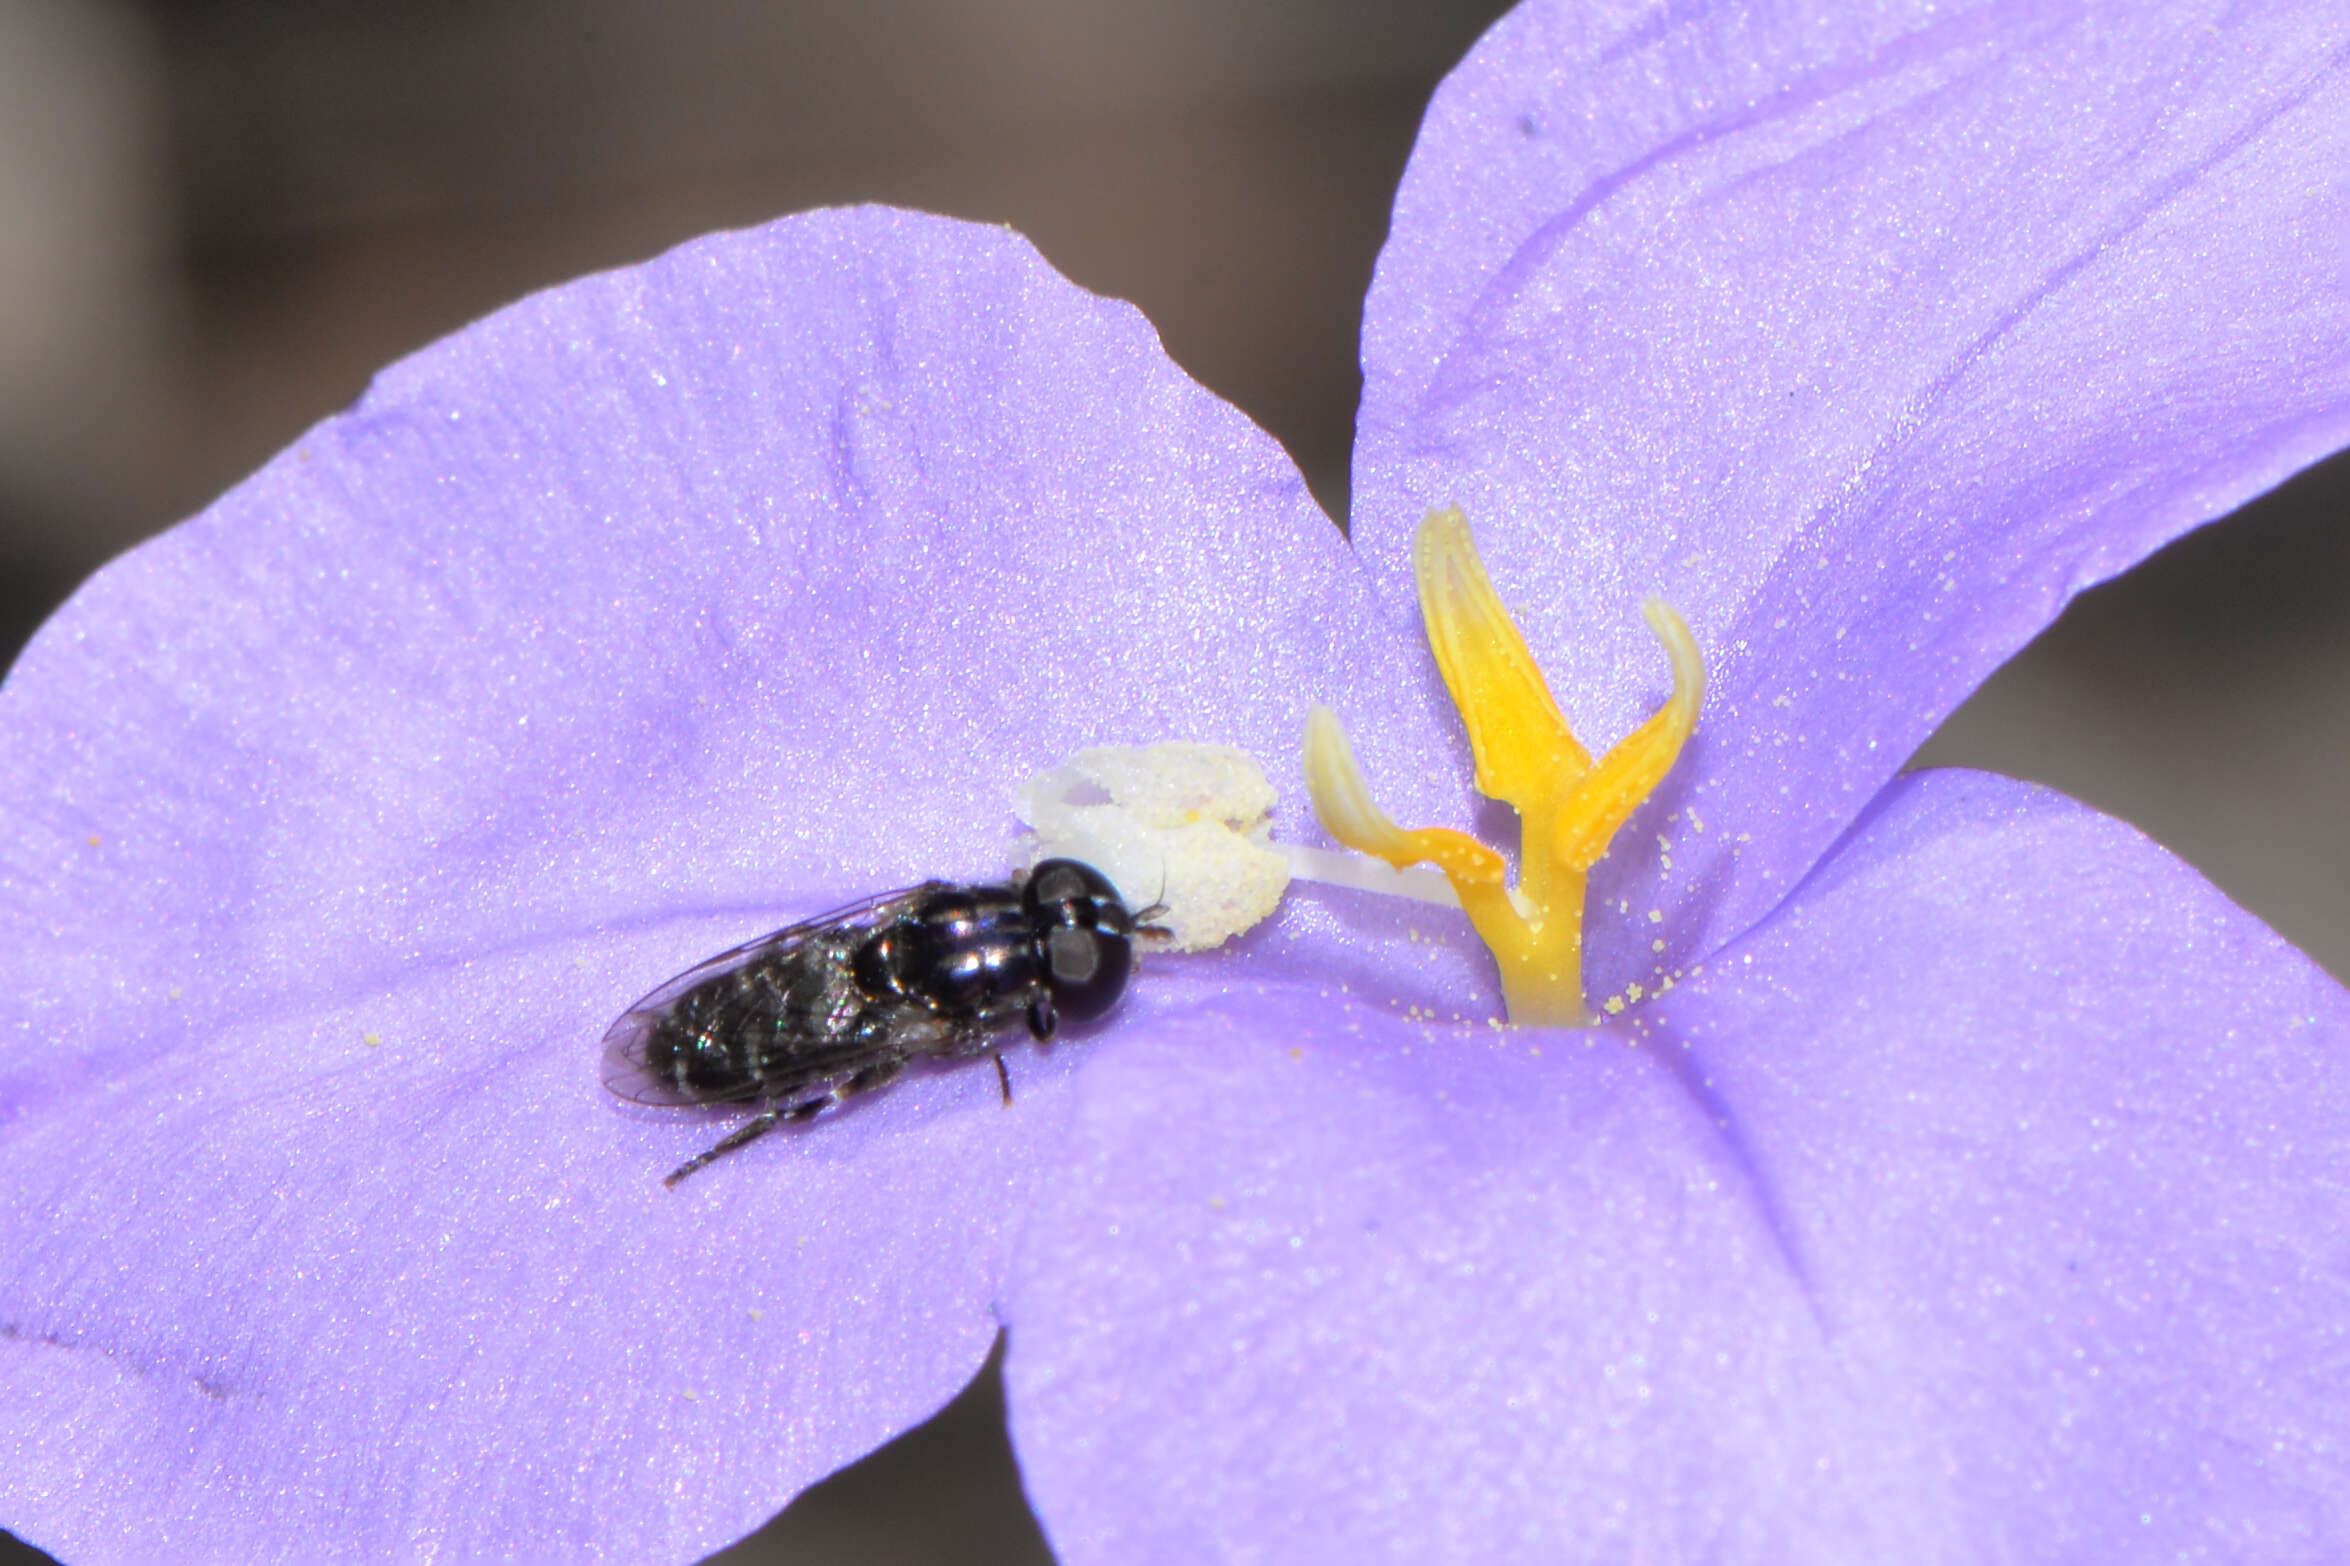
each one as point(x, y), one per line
point(1568, 809)
point(1516, 732)
point(1604, 798)
point(1342, 799)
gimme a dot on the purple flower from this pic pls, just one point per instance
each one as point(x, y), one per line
point(1976, 1193)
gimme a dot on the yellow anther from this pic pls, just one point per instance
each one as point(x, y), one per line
point(1604, 798)
point(1343, 803)
point(1516, 732)
point(1568, 809)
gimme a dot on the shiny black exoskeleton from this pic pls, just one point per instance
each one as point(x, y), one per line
point(837, 1005)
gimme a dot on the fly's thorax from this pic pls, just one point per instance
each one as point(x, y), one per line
point(961, 951)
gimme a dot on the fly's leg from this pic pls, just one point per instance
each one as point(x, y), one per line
point(880, 1073)
point(741, 1136)
point(1041, 1018)
point(873, 1076)
point(983, 1040)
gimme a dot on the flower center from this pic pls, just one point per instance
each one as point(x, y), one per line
point(1568, 807)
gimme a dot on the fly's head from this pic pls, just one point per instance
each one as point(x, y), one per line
point(1084, 936)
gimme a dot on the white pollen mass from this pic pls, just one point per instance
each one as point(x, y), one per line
point(1182, 825)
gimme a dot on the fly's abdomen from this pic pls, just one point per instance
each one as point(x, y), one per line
point(765, 1028)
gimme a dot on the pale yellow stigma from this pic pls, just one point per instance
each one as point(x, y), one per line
point(1568, 808)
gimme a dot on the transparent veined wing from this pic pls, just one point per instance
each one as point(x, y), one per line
point(630, 1075)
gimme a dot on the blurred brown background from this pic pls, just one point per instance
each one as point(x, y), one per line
point(219, 217)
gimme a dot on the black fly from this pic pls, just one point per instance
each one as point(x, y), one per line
point(837, 1005)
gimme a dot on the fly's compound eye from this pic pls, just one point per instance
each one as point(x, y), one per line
point(1058, 886)
point(1084, 935)
point(1086, 970)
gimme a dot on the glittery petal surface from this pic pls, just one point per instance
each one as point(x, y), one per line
point(1984, 1204)
point(337, 824)
point(1865, 336)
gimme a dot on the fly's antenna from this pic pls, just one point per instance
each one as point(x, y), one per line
point(1157, 934)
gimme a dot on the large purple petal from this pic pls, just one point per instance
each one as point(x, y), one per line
point(336, 824)
point(1984, 1204)
point(1866, 335)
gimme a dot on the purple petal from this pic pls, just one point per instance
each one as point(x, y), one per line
point(1866, 336)
point(337, 824)
point(1985, 1204)
point(291, 1296)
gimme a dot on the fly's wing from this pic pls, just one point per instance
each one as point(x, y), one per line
point(625, 1070)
